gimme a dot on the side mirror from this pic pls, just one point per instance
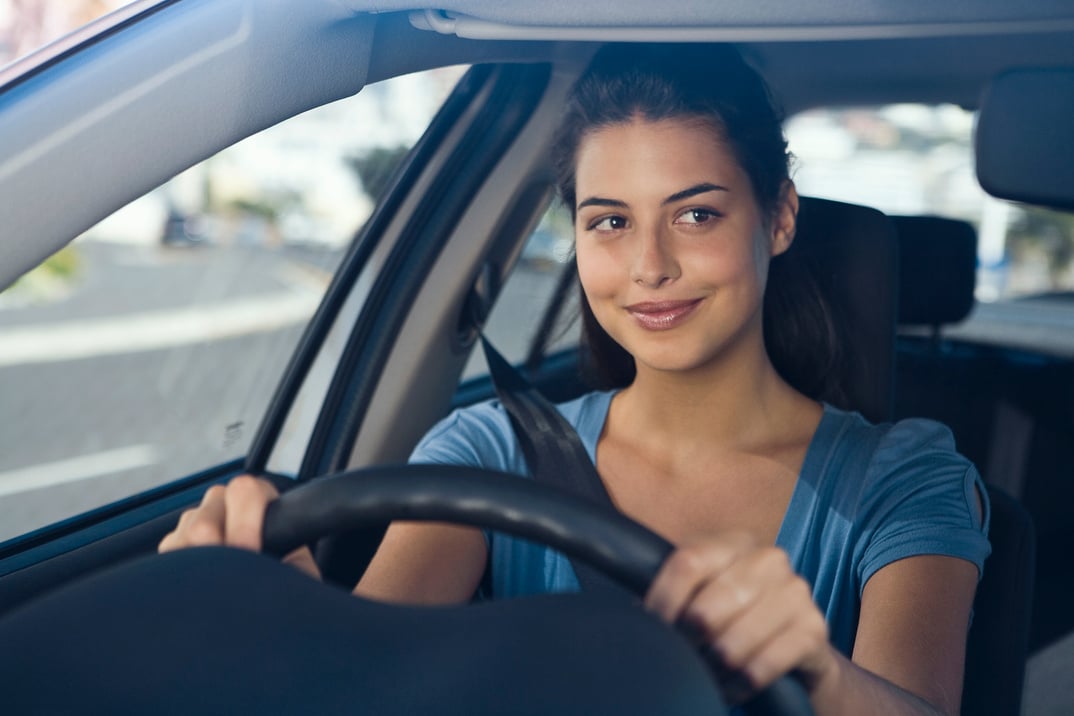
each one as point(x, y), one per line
point(1025, 137)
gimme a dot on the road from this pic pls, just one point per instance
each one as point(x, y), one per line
point(151, 365)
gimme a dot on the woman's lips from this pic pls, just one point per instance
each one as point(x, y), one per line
point(662, 315)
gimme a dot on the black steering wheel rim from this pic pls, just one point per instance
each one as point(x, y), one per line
point(611, 542)
point(608, 540)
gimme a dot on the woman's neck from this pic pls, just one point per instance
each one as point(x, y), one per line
point(740, 403)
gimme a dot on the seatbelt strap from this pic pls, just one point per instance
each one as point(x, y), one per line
point(553, 451)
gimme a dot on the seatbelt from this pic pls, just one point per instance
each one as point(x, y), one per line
point(554, 453)
point(555, 456)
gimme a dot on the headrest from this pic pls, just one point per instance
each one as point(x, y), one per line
point(851, 251)
point(1025, 137)
point(937, 269)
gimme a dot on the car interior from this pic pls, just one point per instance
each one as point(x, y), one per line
point(380, 360)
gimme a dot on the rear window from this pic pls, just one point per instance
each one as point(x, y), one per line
point(918, 159)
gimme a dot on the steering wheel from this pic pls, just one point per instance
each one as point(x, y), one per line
point(608, 540)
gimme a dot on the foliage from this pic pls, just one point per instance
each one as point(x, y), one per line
point(1044, 232)
point(57, 270)
point(376, 167)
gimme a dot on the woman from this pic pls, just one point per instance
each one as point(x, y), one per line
point(808, 539)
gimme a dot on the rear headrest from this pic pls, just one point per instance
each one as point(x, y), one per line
point(937, 269)
point(1025, 137)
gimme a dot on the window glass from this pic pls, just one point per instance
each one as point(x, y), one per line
point(918, 159)
point(26, 25)
point(149, 348)
point(528, 296)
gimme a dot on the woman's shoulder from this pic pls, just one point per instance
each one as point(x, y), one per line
point(893, 442)
point(478, 434)
point(908, 456)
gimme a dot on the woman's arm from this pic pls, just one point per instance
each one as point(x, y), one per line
point(422, 563)
point(759, 618)
point(915, 616)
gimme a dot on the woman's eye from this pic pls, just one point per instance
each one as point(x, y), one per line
point(609, 223)
point(696, 216)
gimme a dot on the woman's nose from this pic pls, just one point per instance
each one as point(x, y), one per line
point(654, 263)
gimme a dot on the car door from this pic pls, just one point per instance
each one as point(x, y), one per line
point(373, 351)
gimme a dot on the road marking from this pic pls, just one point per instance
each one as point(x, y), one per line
point(75, 469)
point(74, 340)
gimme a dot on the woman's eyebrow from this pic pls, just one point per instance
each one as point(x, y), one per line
point(600, 201)
point(703, 188)
point(693, 191)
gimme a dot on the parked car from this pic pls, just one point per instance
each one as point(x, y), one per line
point(121, 409)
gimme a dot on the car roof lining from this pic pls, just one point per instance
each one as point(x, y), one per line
point(729, 14)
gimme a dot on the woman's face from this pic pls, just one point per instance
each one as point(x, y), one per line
point(672, 247)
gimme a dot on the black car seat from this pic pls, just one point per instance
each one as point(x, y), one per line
point(851, 253)
point(946, 382)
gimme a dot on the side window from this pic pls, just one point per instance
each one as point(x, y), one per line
point(918, 159)
point(536, 313)
point(149, 348)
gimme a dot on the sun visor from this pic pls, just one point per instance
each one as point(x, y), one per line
point(1025, 137)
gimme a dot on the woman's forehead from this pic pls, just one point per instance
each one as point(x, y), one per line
point(656, 158)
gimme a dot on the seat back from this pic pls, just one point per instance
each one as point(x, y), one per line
point(934, 378)
point(936, 285)
point(999, 636)
point(851, 253)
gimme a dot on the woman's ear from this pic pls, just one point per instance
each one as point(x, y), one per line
point(785, 220)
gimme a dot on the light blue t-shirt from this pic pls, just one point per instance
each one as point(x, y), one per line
point(867, 496)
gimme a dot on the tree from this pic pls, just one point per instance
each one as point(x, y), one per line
point(375, 168)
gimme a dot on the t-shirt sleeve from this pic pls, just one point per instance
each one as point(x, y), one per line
point(922, 498)
point(479, 435)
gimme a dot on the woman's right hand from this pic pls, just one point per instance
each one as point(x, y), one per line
point(232, 516)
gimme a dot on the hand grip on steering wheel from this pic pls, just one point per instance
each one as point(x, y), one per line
point(608, 540)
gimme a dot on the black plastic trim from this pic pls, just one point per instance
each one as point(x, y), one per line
point(80, 530)
point(83, 524)
point(515, 92)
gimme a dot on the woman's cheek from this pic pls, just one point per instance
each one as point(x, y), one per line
point(593, 273)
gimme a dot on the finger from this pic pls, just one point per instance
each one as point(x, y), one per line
point(205, 525)
point(737, 589)
point(783, 630)
point(169, 543)
point(688, 570)
point(754, 627)
point(781, 656)
point(173, 540)
point(185, 518)
point(245, 500)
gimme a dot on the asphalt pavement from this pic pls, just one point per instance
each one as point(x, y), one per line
point(149, 365)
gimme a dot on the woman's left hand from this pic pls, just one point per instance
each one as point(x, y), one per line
point(746, 603)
